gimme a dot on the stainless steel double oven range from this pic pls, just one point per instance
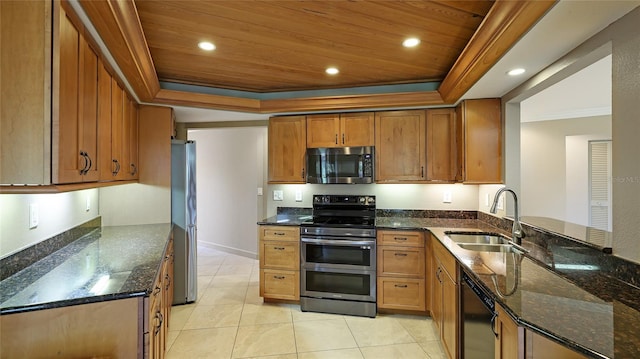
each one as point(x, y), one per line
point(338, 256)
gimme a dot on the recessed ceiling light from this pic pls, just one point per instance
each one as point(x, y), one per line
point(411, 42)
point(516, 72)
point(207, 46)
point(332, 70)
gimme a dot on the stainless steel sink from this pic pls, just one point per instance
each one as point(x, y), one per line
point(503, 248)
point(477, 237)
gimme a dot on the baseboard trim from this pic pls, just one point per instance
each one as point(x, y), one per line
point(227, 249)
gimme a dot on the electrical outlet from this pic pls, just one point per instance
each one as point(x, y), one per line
point(446, 197)
point(259, 191)
point(487, 199)
point(278, 195)
point(33, 215)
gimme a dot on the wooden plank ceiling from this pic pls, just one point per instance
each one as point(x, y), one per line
point(269, 46)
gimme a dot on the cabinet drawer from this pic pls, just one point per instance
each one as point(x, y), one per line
point(401, 293)
point(401, 238)
point(401, 261)
point(280, 255)
point(279, 233)
point(445, 258)
point(280, 284)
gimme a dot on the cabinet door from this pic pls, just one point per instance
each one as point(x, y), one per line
point(436, 296)
point(104, 124)
point(117, 99)
point(507, 340)
point(67, 161)
point(481, 140)
point(88, 110)
point(357, 129)
point(449, 315)
point(400, 146)
point(323, 131)
point(287, 146)
point(133, 141)
point(441, 145)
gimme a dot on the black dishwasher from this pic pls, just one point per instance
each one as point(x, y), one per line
point(477, 314)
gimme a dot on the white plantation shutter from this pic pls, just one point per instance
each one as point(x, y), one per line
point(600, 184)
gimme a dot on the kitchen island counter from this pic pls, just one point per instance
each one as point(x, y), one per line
point(109, 263)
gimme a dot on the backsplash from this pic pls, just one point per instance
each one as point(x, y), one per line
point(26, 257)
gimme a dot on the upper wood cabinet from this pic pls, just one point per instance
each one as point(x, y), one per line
point(400, 146)
point(75, 103)
point(286, 149)
point(25, 102)
point(442, 163)
point(479, 134)
point(340, 130)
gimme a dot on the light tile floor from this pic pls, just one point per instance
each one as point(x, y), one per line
point(230, 320)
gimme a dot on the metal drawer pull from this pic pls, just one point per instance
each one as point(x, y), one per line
point(278, 277)
point(401, 254)
point(279, 233)
point(400, 238)
point(279, 248)
point(401, 286)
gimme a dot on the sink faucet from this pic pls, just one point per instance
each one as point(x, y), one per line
point(517, 232)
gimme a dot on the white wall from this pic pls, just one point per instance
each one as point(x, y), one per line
point(57, 213)
point(388, 196)
point(230, 169)
point(135, 203)
point(545, 186)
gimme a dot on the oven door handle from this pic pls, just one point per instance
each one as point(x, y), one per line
point(345, 243)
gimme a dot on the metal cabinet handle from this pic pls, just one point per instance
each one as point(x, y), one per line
point(400, 238)
point(401, 286)
point(159, 318)
point(86, 166)
point(343, 138)
point(422, 171)
point(400, 254)
point(438, 271)
point(493, 324)
point(303, 173)
point(279, 248)
point(336, 138)
point(156, 290)
point(168, 278)
point(278, 277)
point(117, 169)
point(134, 169)
point(279, 233)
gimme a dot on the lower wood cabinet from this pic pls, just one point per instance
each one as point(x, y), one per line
point(279, 248)
point(539, 347)
point(508, 336)
point(401, 270)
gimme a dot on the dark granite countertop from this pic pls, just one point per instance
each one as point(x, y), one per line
point(106, 264)
point(556, 290)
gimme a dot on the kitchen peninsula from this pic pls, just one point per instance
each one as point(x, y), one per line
point(560, 292)
point(107, 293)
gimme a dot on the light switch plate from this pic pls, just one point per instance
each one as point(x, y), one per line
point(446, 197)
point(259, 191)
point(278, 195)
point(33, 215)
point(298, 195)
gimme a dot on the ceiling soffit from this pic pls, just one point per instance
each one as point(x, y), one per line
point(120, 28)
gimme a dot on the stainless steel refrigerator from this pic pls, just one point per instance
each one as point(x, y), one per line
point(183, 217)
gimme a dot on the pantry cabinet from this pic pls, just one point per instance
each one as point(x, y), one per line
point(401, 270)
point(340, 130)
point(279, 248)
point(286, 149)
point(400, 146)
point(444, 296)
point(479, 135)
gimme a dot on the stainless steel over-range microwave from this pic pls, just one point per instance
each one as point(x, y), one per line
point(340, 165)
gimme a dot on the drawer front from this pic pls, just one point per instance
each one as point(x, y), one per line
point(401, 261)
point(279, 284)
point(445, 259)
point(280, 255)
point(279, 233)
point(401, 238)
point(401, 293)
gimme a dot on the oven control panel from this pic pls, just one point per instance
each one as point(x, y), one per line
point(335, 199)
